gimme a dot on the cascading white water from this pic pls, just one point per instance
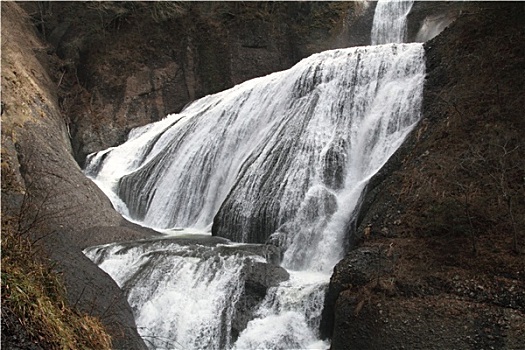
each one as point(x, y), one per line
point(390, 19)
point(295, 148)
point(183, 297)
point(289, 316)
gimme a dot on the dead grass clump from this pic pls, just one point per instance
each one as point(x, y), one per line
point(34, 294)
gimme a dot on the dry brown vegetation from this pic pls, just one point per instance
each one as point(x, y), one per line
point(33, 300)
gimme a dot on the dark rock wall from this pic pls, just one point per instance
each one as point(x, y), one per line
point(435, 237)
point(128, 64)
point(427, 18)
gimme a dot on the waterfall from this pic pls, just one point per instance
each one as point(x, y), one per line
point(283, 160)
point(304, 128)
point(390, 19)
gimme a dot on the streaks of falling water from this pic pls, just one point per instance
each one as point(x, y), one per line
point(357, 104)
point(390, 21)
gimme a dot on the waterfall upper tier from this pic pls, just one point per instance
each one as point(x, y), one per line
point(390, 21)
point(272, 150)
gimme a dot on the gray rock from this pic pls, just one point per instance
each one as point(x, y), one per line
point(356, 270)
point(94, 292)
point(258, 278)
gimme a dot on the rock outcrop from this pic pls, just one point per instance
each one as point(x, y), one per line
point(258, 278)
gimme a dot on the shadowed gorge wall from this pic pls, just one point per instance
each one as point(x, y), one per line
point(439, 258)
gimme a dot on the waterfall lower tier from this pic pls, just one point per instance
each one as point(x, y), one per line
point(289, 316)
point(280, 160)
point(189, 294)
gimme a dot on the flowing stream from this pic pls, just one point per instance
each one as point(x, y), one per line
point(282, 160)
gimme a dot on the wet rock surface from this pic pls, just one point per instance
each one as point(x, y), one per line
point(259, 277)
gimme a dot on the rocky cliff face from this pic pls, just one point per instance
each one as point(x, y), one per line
point(439, 258)
point(43, 189)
